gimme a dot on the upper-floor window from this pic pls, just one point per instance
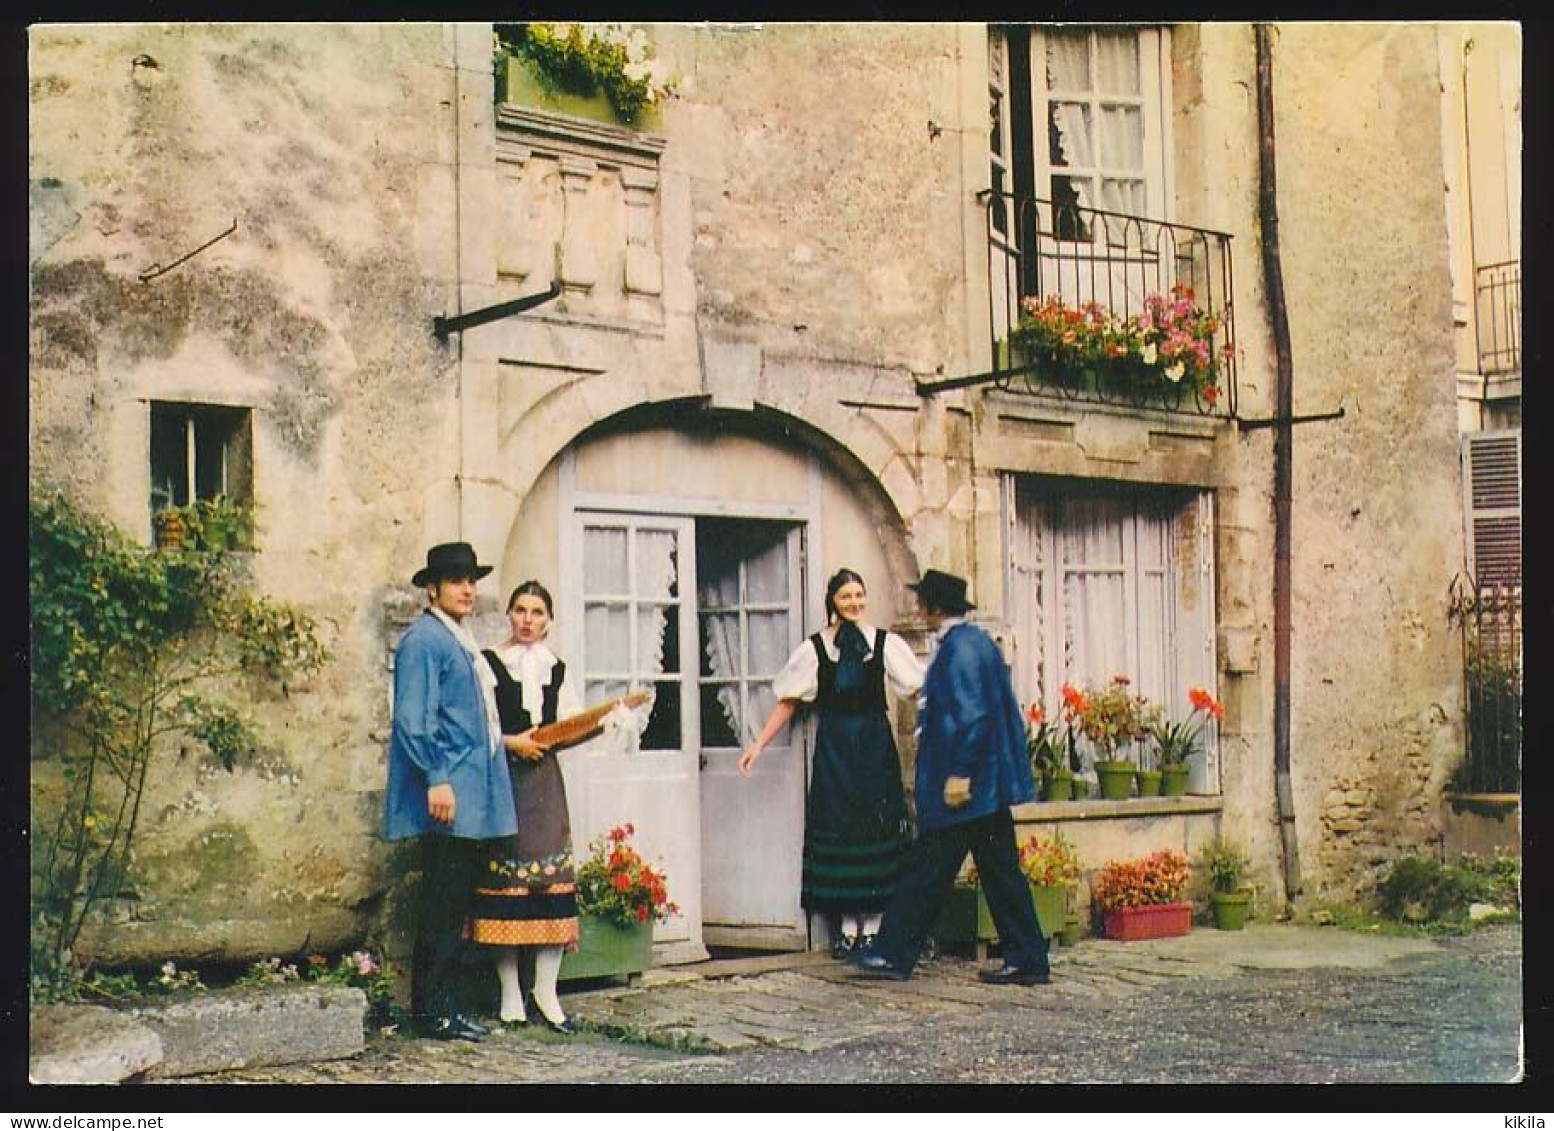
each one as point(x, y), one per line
point(1087, 114)
point(199, 452)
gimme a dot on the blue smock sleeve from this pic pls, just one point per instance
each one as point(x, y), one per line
point(417, 691)
point(964, 720)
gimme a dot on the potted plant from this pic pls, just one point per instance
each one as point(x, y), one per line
point(1108, 717)
point(171, 525)
point(619, 898)
point(1050, 750)
point(965, 916)
point(1142, 898)
point(221, 524)
point(1175, 742)
point(1224, 865)
point(1052, 867)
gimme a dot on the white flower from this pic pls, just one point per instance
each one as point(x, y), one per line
point(1150, 354)
point(636, 72)
point(1176, 372)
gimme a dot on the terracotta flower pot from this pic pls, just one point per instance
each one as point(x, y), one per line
point(1152, 921)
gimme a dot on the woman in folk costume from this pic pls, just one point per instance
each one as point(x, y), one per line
point(530, 906)
point(855, 820)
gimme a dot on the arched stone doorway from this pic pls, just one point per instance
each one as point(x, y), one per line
point(688, 551)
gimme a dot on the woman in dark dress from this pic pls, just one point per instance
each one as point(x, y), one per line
point(855, 821)
point(530, 906)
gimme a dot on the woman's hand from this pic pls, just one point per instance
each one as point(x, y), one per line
point(747, 759)
point(524, 746)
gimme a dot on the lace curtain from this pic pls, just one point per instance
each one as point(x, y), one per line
point(720, 597)
point(1092, 134)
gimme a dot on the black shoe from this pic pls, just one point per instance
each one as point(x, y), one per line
point(454, 1028)
point(564, 1026)
point(1007, 975)
point(844, 946)
point(514, 1025)
point(877, 966)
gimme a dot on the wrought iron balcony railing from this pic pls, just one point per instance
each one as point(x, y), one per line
point(1498, 307)
point(1150, 303)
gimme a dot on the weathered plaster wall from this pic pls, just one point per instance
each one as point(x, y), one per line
point(329, 147)
point(1378, 526)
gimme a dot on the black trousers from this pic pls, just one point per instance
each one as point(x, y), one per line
point(451, 868)
point(930, 870)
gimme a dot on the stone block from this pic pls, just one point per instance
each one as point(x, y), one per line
point(256, 1027)
point(88, 1044)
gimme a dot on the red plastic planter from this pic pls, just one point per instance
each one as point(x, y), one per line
point(1155, 921)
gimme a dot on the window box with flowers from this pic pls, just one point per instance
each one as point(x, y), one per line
point(1142, 898)
point(601, 72)
point(619, 898)
point(1163, 355)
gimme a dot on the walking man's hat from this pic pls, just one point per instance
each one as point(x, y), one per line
point(942, 591)
point(450, 559)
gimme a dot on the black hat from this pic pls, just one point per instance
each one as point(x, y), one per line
point(451, 559)
point(942, 591)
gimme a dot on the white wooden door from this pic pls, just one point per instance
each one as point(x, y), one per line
point(629, 584)
point(750, 597)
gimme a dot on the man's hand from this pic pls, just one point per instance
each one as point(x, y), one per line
point(441, 803)
point(957, 791)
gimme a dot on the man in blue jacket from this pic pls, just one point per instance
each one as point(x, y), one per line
point(971, 767)
point(448, 781)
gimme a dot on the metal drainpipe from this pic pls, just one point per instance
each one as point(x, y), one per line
point(1283, 452)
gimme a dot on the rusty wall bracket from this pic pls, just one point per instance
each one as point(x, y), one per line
point(1275, 421)
point(443, 326)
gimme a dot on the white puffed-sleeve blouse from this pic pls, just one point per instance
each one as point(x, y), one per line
point(800, 676)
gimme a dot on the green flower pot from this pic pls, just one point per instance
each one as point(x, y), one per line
point(966, 918)
point(1116, 779)
point(1148, 782)
point(1173, 780)
point(607, 950)
point(1081, 789)
point(1231, 909)
point(1058, 787)
point(1069, 935)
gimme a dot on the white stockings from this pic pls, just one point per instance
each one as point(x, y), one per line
point(541, 965)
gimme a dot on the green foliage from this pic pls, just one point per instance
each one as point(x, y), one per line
point(1420, 889)
point(131, 648)
point(585, 62)
point(1223, 863)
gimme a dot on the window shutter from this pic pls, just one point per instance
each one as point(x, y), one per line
point(1492, 487)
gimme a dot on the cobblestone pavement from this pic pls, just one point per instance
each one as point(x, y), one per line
point(1268, 1005)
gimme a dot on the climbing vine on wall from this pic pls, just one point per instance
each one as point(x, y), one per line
point(131, 649)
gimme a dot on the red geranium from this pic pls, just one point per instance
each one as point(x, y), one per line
point(617, 884)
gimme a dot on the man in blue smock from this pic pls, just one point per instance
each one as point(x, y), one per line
point(447, 778)
point(972, 766)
